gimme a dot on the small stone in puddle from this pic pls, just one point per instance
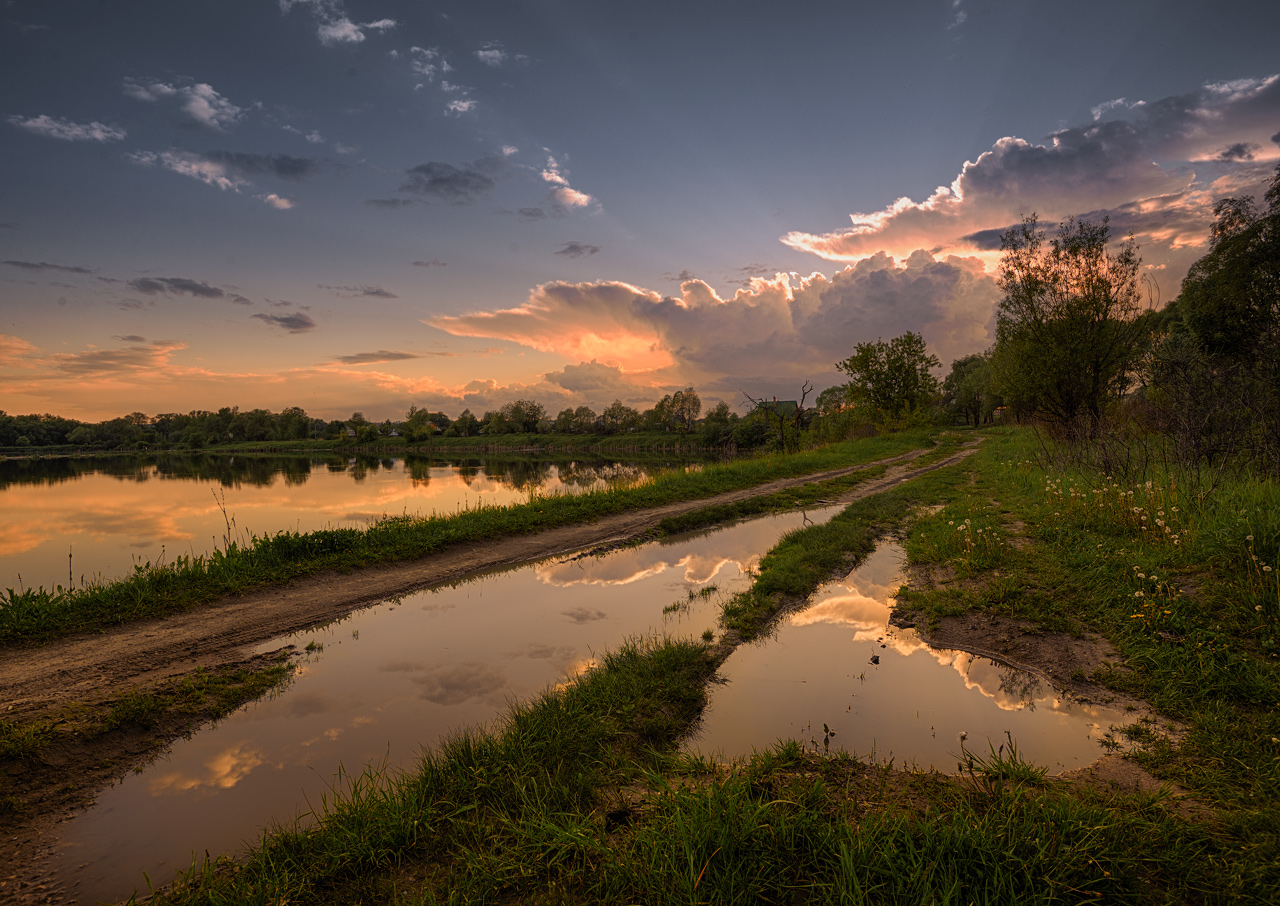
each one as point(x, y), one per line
point(875, 658)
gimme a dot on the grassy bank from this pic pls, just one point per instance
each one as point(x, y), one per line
point(581, 797)
point(33, 616)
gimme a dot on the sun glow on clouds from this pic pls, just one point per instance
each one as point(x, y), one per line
point(800, 325)
point(1132, 162)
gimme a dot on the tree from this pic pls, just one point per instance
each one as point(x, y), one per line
point(1214, 379)
point(619, 417)
point(893, 377)
point(789, 417)
point(966, 392)
point(1230, 298)
point(1068, 331)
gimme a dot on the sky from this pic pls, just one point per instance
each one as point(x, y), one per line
point(366, 205)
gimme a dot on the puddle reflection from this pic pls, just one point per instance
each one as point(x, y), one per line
point(885, 692)
point(392, 679)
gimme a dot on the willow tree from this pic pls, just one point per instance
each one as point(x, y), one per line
point(1068, 332)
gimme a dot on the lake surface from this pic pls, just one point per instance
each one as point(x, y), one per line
point(73, 520)
point(399, 676)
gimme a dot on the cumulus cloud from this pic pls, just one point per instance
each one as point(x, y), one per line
point(578, 250)
point(297, 322)
point(1139, 160)
point(279, 202)
point(800, 325)
point(68, 131)
point(456, 185)
point(180, 286)
point(46, 266)
point(199, 100)
point(382, 355)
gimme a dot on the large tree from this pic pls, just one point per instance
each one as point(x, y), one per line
point(894, 377)
point(1068, 332)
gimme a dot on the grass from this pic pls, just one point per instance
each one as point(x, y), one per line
point(581, 796)
point(34, 616)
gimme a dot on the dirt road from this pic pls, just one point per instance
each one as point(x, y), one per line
point(93, 668)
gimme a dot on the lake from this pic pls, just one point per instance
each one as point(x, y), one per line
point(71, 521)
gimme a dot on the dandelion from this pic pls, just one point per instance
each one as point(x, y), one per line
point(1266, 569)
point(1138, 594)
point(1258, 608)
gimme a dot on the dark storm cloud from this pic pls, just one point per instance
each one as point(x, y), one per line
point(578, 250)
point(281, 166)
point(455, 185)
point(298, 322)
point(46, 266)
point(1238, 151)
point(382, 355)
point(130, 338)
point(154, 286)
point(359, 292)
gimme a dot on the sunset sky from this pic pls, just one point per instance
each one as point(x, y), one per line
point(368, 204)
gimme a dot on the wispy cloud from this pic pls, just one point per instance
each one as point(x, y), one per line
point(183, 286)
point(455, 185)
point(68, 131)
point(333, 26)
point(193, 165)
point(382, 355)
point(281, 166)
point(136, 359)
point(577, 250)
point(432, 262)
point(359, 292)
point(199, 100)
point(46, 266)
point(297, 322)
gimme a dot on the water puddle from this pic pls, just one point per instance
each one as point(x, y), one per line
point(390, 680)
point(884, 692)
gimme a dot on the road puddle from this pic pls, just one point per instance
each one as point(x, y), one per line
point(387, 681)
point(838, 665)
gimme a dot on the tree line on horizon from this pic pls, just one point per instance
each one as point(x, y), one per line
point(1080, 349)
